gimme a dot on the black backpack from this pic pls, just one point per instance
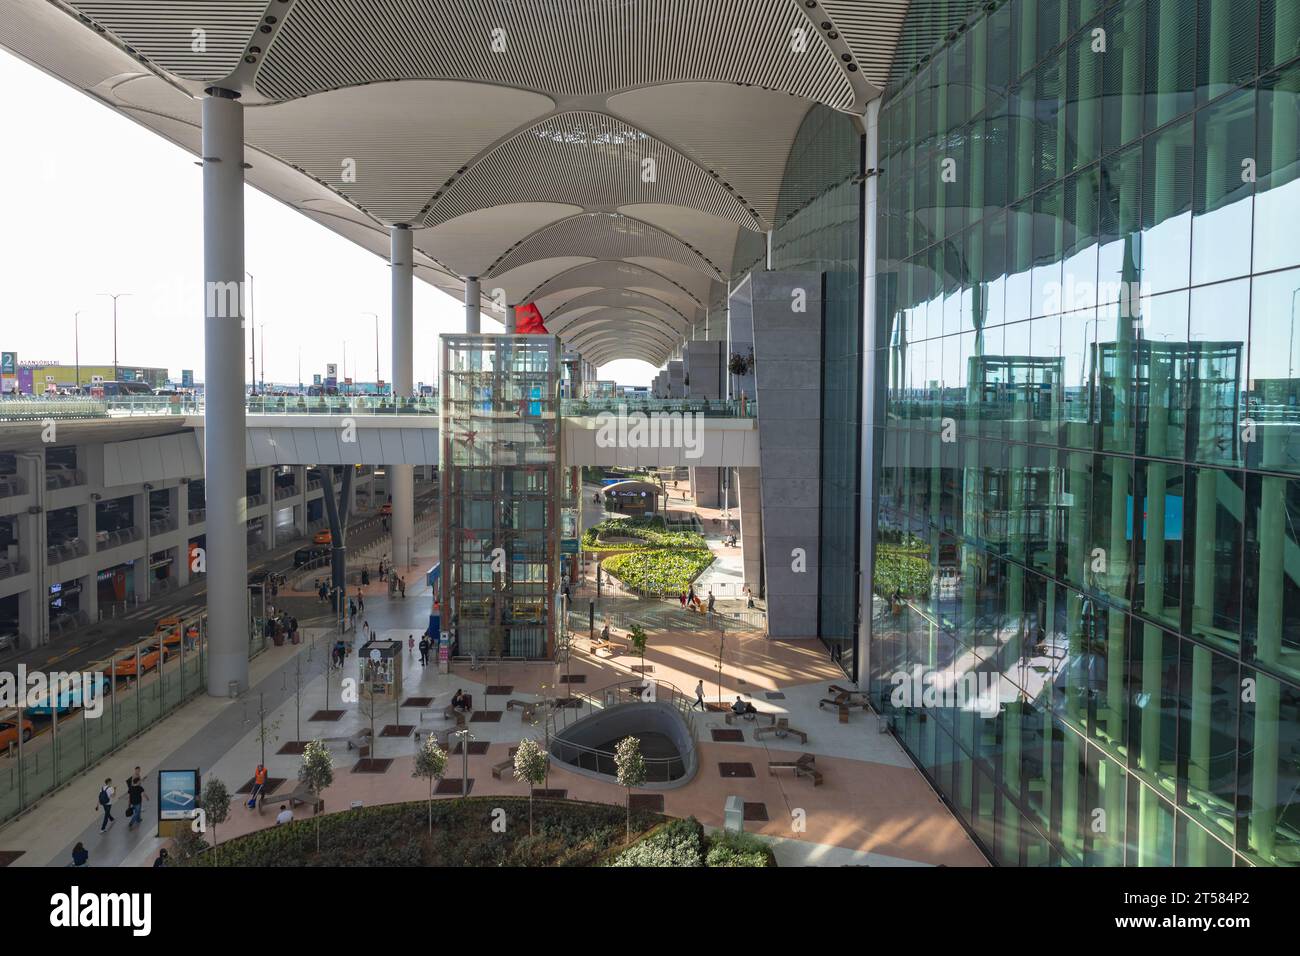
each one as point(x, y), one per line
point(103, 797)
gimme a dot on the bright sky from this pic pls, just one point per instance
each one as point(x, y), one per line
point(95, 203)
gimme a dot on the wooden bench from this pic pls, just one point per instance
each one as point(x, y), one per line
point(358, 741)
point(730, 716)
point(460, 716)
point(300, 795)
point(805, 766)
point(598, 645)
point(499, 769)
point(528, 709)
point(781, 727)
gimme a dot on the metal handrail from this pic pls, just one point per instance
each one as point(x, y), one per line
point(612, 696)
point(71, 406)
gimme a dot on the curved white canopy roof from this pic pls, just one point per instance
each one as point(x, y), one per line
point(598, 157)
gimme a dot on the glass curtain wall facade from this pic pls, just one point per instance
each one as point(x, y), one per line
point(1087, 624)
point(501, 475)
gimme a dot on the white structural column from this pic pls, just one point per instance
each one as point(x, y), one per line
point(472, 303)
point(867, 498)
point(511, 319)
point(223, 362)
point(402, 477)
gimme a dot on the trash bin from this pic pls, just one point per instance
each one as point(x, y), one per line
point(234, 689)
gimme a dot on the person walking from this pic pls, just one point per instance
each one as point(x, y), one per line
point(135, 797)
point(410, 643)
point(259, 784)
point(699, 697)
point(80, 855)
point(424, 651)
point(106, 804)
point(361, 603)
point(401, 586)
point(711, 600)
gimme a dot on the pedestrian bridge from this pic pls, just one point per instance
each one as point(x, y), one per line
point(349, 430)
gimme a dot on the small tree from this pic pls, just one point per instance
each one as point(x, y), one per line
point(636, 635)
point(530, 767)
point(631, 771)
point(317, 772)
point(430, 763)
point(216, 806)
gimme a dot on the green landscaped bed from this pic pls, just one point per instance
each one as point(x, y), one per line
point(565, 833)
point(646, 557)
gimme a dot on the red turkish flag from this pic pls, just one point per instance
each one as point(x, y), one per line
point(528, 320)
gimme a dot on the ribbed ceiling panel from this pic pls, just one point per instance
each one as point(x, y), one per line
point(167, 31)
point(616, 275)
point(618, 299)
point(593, 160)
point(604, 236)
point(871, 29)
point(632, 318)
point(620, 326)
point(572, 49)
point(741, 133)
point(388, 147)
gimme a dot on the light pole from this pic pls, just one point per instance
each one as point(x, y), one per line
point(1290, 368)
point(76, 344)
point(251, 333)
point(261, 328)
point(115, 296)
point(376, 317)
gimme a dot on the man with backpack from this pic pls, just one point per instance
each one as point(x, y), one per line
point(106, 804)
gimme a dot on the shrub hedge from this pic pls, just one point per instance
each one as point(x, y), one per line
point(566, 833)
point(683, 843)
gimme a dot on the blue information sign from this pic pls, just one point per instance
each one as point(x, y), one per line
point(178, 794)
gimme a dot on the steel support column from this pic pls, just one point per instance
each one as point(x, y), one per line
point(402, 477)
point(224, 432)
point(473, 296)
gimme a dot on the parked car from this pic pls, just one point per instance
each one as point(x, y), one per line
point(8, 641)
point(149, 659)
point(68, 699)
point(322, 537)
point(169, 628)
point(9, 731)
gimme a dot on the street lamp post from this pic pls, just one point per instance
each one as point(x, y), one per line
point(251, 333)
point(115, 296)
point(76, 343)
point(376, 317)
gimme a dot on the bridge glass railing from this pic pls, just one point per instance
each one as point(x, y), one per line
point(708, 407)
point(29, 408)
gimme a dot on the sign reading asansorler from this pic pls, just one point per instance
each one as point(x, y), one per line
point(624, 429)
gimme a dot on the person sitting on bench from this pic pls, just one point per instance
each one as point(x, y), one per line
point(744, 709)
point(460, 701)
